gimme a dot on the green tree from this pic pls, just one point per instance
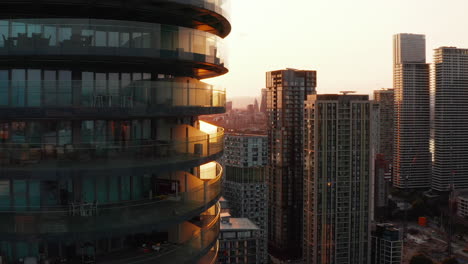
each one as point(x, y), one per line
point(420, 259)
point(450, 261)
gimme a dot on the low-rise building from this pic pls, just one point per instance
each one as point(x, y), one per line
point(386, 244)
point(239, 241)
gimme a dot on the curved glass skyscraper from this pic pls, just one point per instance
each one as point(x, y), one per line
point(102, 156)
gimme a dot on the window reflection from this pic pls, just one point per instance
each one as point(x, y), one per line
point(38, 88)
point(73, 34)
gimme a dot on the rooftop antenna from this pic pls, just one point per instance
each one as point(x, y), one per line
point(347, 92)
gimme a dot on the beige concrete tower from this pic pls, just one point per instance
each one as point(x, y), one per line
point(412, 159)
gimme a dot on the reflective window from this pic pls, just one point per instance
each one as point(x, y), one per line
point(34, 87)
point(19, 195)
point(5, 193)
point(125, 187)
point(18, 133)
point(50, 88)
point(34, 194)
point(18, 77)
point(3, 86)
point(88, 190)
point(87, 131)
point(50, 193)
point(4, 32)
point(102, 190)
point(65, 87)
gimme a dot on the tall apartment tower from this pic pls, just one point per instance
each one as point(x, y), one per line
point(384, 151)
point(385, 98)
point(103, 158)
point(338, 168)
point(244, 183)
point(286, 92)
point(450, 118)
point(411, 159)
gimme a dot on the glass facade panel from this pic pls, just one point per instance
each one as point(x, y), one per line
point(34, 88)
point(125, 187)
point(137, 188)
point(113, 189)
point(64, 133)
point(50, 88)
point(5, 193)
point(102, 190)
point(102, 90)
point(90, 36)
point(4, 31)
point(19, 195)
point(87, 88)
point(34, 193)
point(4, 86)
point(18, 133)
point(87, 131)
point(64, 88)
point(89, 190)
point(18, 77)
point(50, 193)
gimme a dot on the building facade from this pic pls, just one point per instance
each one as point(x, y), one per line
point(450, 119)
point(412, 158)
point(384, 148)
point(103, 157)
point(337, 180)
point(238, 241)
point(244, 184)
point(286, 92)
point(385, 98)
point(462, 203)
point(387, 245)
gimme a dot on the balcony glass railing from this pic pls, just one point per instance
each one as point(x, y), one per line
point(92, 37)
point(211, 257)
point(134, 216)
point(221, 7)
point(115, 154)
point(147, 96)
point(195, 248)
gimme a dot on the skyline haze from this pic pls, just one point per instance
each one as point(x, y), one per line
point(311, 35)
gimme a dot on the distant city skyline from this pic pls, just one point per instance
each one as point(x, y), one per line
point(349, 50)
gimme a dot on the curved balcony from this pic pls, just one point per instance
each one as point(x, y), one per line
point(211, 257)
point(186, 152)
point(108, 99)
point(200, 246)
point(208, 15)
point(94, 220)
point(106, 42)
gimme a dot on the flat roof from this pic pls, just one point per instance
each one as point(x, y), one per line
point(238, 224)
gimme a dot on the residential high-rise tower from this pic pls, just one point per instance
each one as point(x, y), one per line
point(412, 159)
point(450, 118)
point(286, 92)
point(337, 180)
point(384, 151)
point(102, 156)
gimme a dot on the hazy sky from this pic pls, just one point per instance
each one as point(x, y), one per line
point(348, 42)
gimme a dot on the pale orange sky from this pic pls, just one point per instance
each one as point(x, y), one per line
point(348, 42)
